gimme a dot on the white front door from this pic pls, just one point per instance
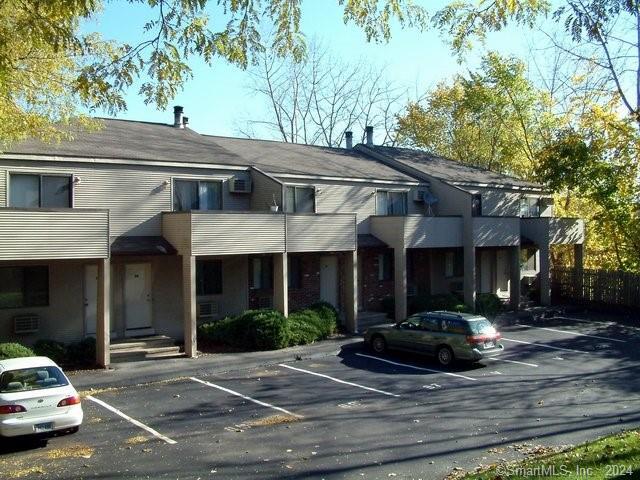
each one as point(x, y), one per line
point(137, 296)
point(90, 289)
point(329, 280)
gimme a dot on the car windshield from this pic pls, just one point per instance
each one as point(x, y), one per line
point(481, 327)
point(36, 378)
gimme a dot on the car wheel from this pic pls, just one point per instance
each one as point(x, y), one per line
point(378, 344)
point(73, 429)
point(444, 356)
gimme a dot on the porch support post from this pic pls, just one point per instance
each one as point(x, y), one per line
point(545, 274)
point(514, 284)
point(281, 283)
point(470, 276)
point(103, 320)
point(351, 291)
point(190, 305)
point(400, 282)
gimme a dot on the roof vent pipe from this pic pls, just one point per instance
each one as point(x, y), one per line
point(369, 131)
point(348, 137)
point(177, 116)
point(185, 122)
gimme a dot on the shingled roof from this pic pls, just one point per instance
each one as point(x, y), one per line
point(133, 140)
point(451, 171)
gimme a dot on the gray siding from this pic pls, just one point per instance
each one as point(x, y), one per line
point(236, 233)
point(353, 197)
point(53, 234)
point(433, 232)
point(135, 195)
point(496, 231)
point(553, 230)
point(176, 229)
point(265, 189)
point(390, 230)
point(318, 233)
point(3, 188)
point(63, 318)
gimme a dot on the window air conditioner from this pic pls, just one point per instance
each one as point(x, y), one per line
point(239, 185)
point(23, 324)
point(207, 310)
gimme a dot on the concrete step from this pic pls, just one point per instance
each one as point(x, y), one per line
point(155, 341)
point(138, 354)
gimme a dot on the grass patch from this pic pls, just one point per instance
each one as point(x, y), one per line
point(613, 456)
point(273, 420)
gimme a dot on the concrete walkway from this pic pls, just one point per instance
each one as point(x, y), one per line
point(134, 373)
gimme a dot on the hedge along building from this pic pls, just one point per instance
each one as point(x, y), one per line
point(145, 228)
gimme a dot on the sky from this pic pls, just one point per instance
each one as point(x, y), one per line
point(217, 100)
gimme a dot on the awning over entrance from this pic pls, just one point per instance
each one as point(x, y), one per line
point(367, 240)
point(136, 245)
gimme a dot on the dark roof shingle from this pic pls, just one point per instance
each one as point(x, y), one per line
point(450, 170)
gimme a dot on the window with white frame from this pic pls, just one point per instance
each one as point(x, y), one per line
point(454, 263)
point(39, 191)
point(391, 202)
point(261, 273)
point(300, 199)
point(24, 286)
point(197, 195)
point(529, 207)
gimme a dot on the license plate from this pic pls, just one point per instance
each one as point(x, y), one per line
point(489, 344)
point(43, 427)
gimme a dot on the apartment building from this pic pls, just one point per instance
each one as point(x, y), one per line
point(145, 228)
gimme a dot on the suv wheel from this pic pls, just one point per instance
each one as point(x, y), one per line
point(444, 356)
point(378, 344)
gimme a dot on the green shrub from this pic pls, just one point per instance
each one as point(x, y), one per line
point(56, 351)
point(488, 304)
point(82, 353)
point(422, 303)
point(14, 350)
point(253, 330)
point(301, 331)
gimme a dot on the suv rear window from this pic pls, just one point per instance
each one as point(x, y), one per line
point(481, 326)
point(453, 325)
point(21, 380)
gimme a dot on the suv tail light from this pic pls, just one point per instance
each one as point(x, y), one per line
point(477, 339)
point(65, 402)
point(7, 409)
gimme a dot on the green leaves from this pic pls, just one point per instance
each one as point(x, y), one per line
point(49, 68)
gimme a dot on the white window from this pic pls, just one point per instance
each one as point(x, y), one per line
point(529, 207)
point(300, 199)
point(196, 195)
point(390, 202)
point(454, 263)
point(39, 191)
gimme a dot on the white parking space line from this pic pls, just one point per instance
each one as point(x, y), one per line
point(416, 368)
point(545, 346)
point(512, 361)
point(132, 420)
point(238, 394)
point(338, 380)
point(572, 333)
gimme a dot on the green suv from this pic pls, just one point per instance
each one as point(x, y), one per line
point(448, 336)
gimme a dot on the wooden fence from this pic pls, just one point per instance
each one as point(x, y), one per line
point(596, 287)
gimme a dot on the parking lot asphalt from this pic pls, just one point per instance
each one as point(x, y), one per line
point(355, 414)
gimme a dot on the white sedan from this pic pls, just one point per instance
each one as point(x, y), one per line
point(36, 397)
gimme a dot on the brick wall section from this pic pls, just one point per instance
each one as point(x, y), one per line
point(309, 291)
point(373, 290)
